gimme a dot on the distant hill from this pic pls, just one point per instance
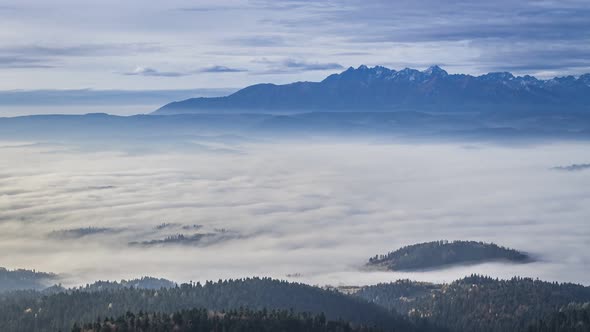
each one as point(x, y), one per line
point(165, 131)
point(437, 254)
point(24, 279)
point(383, 89)
point(483, 304)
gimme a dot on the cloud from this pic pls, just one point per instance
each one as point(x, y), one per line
point(338, 202)
point(259, 41)
point(44, 56)
point(309, 66)
point(573, 167)
point(221, 69)
point(147, 71)
point(80, 50)
point(22, 62)
point(470, 36)
point(290, 66)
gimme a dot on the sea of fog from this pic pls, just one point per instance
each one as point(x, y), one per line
point(306, 212)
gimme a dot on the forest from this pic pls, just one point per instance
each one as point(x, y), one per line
point(475, 303)
point(42, 312)
point(436, 254)
point(479, 303)
point(242, 320)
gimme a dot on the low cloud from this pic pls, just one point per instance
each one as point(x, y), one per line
point(23, 62)
point(147, 71)
point(259, 41)
point(221, 69)
point(313, 210)
point(290, 66)
point(309, 66)
point(573, 167)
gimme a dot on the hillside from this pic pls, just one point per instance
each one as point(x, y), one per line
point(22, 311)
point(438, 254)
point(383, 89)
point(479, 303)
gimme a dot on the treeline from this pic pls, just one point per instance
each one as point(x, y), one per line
point(35, 311)
point(203, 320)
point(478, 303)
point(573, 318)
point(439, 253)
point(140, 283)
point(23, 279)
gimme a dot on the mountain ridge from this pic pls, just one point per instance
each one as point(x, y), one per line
point(382, 89)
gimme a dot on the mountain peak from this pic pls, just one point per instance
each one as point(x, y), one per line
point(435, 71)
point(498, 76)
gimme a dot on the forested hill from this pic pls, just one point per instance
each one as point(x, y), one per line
point(24, 279)
point(202, 320)
point(25, 310)
point(437, 254)
point(479, 304)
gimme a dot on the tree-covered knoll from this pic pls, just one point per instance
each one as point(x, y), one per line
point(436, 254)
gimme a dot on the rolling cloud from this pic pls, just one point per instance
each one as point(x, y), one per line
point(312, 211)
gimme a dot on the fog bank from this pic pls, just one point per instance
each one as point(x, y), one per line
point(315, 212)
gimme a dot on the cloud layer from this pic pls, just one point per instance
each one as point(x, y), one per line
point(312, 211)
point(542, 38)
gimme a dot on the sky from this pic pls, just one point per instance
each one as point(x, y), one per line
point(180, 44)
point(310, 213)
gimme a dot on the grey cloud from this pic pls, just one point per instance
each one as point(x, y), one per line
point(563, 58)
point(22, 62)
point(487, 28)
point(48, 51)
point(406, 21)
point(259, 41)
point(43, 56)
point(308, 66)
point(147, 71)
point(573, 167)
point(221, 69)
point(290, 66)
point(202, 9)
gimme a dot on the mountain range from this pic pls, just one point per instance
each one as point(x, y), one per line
point(382, 89)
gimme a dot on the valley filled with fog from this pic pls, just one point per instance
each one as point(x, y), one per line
point(311, 212)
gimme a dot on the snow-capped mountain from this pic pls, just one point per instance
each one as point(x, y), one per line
point(383, 89)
